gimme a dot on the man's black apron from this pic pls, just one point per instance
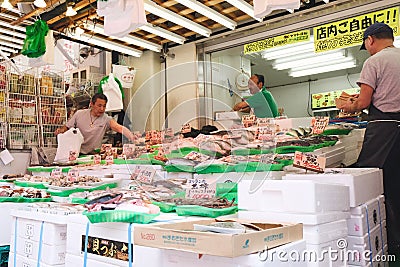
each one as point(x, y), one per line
point(381, 149)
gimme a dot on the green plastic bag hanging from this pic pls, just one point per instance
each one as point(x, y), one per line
point(34, 43)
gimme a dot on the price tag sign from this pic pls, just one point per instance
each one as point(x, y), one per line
point(266, 133)
point(56, 173)
point(186, 128)
point(318, 124)
point(109, 159)
point(309, 161)
point(73, 174)
point(142, 174)
point(261, 122)
point(248, 120)
point(97, 159)
point(129, 150)
point(200, 188)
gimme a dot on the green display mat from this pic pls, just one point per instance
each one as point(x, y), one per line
point(119, 216)
point(193, 210)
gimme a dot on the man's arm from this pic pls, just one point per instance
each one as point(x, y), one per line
point(115, 126)
point(60, 130)
point(242, 106)
point(361, 102)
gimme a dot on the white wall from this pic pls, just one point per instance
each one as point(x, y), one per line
point(294, 98)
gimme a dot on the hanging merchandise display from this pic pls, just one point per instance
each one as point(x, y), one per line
point(48, 57)
point(125, 74)
point(112, 88)
point(34, 43)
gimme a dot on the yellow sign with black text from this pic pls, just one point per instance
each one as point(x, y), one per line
point(349, 32)
point(290, 38)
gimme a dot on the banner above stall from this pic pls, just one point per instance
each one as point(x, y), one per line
point(281, 40)
point(349, 32)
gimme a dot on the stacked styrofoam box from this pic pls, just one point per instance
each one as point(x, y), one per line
point(352, 143)
point(124, 171)
point(367, 231)
point(334, 154)
point(38, 237)
point(322, 208)
point(6, 221)
point(365, 184)
point(271, 258)
point(76, 230)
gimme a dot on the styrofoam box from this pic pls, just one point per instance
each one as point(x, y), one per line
point(22, 261)
point(374, 242)
point(293, 196)
point(359, 221)
point(379, 260)
point(284, 217)
point(6, 221)
point(330, 150)
point(148, 257)
point(234, 177)
point(174, 258)
point(53, 234)
point(334, 160)
point(318, 257)
point(50, 254)
point(76, 229)
point(286, 124)
point(365, 183)
point(179, 175)
point(322, 233)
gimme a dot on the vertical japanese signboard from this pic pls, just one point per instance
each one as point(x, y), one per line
point(349, 32)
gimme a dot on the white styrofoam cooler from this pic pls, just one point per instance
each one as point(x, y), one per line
point(370, 214)
point(382, 259)
point(373, 242)
point(271, 258)
point(234, 177)
point(50, 254)
point(322, 233)
point(22, 261)
point(293, 196)
point(285, 217)
point(318, 254)
point(365, 183)
point(6, 222)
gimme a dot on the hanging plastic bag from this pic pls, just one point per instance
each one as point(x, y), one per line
point(34, 43)
point(69, 143)
point(112, 89)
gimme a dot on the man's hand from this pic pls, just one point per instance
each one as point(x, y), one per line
point(241, 106)
point(61, 130)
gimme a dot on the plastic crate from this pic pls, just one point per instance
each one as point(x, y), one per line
point(4, 252)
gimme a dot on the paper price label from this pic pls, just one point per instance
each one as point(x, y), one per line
point(200, 188)
point(109, 160)
point(56, 173)
point(318, 124)
point(146, 175)
point(248, 120)
point(186, 128)
point(97, 159)
point(261, 122)
point(309, 162)
point(73, 174)
point(266, 133)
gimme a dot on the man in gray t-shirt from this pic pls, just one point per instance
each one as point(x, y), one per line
point(93, 124)
point(380, 93)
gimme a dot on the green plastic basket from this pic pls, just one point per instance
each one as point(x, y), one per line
point(119, 216)
point(179, 168)
point(214, 168)
point(76, 200)
point(31, 184)
point(165, 207)
point(257, 167)
point(337, 132)
point(193, 210)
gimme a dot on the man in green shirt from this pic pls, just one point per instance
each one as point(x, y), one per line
point(261, 101)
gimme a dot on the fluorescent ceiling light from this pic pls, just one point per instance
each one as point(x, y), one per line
point(108, 44)
point(327, 68)
point(7, 5)
point(309, 60)
point(244, 6)
point(40, 3)
point(3, 48)
point(13, 45)
point(128, 39)
point(70, 12)
point(163, 33)
point(155, 9)
point(209, 12)
point(13, 33)
point(15, 27)
point(11, 39)
point(288, 50)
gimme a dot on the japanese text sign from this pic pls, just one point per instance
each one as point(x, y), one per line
point(309, 161)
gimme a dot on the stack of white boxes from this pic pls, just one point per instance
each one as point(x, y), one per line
point(366, 225)
point(108, 245)
point(334, 154)
point(322, 208)
point(38, 238)
point(367, 233)
point(352, 143)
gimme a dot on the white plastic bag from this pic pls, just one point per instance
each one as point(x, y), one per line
point(69, 143)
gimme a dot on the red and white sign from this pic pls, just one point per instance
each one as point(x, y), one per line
point(309, 161)
point(318, 124)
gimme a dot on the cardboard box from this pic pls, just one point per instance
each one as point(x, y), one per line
point(181, 236)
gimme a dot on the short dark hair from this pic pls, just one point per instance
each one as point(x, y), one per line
point(260, 78)
point(99, 96)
